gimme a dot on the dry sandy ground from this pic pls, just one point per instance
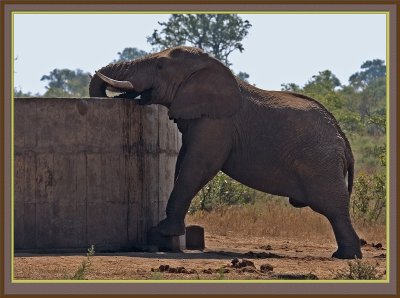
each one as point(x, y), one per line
point(272, 259)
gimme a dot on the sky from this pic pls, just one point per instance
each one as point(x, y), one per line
point(280, 48)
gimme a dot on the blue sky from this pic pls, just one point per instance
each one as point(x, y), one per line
point(280, 48)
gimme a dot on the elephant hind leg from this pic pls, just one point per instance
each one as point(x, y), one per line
point(348, 242)
point(297, 203)
point(333, 202)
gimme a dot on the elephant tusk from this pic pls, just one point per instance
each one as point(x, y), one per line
point(125, 85)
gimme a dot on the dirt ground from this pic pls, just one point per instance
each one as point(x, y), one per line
point(225, 257)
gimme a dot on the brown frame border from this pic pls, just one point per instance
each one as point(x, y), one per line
point(169, 5)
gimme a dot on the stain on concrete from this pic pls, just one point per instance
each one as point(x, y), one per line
point(82, 106)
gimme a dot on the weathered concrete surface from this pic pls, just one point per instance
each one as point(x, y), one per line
point(194, 237)
point(90, 171)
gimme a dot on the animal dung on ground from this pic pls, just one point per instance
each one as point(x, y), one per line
point(295, 276)
point(378, 245)
point(261, 255)
point(266, 268)
point(248, 269)
point(169, 269)
point(236, 263)
point(220, 270)
point(266, 247)
point(208, 271)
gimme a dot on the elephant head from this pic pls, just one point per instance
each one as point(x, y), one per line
point(186, 80)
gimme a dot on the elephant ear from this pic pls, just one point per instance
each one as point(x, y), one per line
point(210, 92)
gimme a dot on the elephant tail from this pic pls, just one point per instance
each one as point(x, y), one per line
point(350, 176)
point(350, 162)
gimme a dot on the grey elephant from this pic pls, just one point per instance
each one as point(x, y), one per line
point(281, 143)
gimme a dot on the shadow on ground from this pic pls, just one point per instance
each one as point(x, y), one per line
point(207, 254)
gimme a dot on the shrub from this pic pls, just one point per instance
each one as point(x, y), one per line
point(358, 270)
point(222, 190)
point(369, 197)
point(80, 273)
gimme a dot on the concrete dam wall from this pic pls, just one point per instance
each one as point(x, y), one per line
point(90, 171)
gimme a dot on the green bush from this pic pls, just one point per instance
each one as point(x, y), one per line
point(222, 190)
point(369, 153)
point(368, 201)
point(358, 270)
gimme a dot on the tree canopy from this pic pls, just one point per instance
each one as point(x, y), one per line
point(373, 70)
point(129, 54)
point(359, 106)
point(217, 34)
point(67, 83)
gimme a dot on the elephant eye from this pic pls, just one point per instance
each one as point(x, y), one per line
point(159, 66)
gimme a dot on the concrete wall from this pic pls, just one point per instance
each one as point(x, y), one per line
point(90, 171)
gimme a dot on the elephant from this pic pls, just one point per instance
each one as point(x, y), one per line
point(277, 142)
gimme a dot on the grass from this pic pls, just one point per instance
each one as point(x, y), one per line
point(81, 272)
point(264, 218)
point(358, 270)
point(157, 275)
point(276, 218)
point(221, 273)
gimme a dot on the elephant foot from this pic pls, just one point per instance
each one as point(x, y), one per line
point(348, 253)
point(168, 227)
point(297, 203)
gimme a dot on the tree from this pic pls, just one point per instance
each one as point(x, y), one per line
point(324, 81)
point(67, 83)
point(324, 88)
point(368, 89)
point(290, 87)
point(70, 83)
point(373, 71)
point(19, 93)
point(129, 54)
point(243, 75)
point(217, 34)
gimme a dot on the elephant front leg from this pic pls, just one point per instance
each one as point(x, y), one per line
point(206, 150)
point(179, 160)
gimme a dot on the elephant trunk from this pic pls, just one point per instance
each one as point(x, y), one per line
point(111, 75)
point(97, 87)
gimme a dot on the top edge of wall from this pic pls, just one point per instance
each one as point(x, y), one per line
point(71, 98)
